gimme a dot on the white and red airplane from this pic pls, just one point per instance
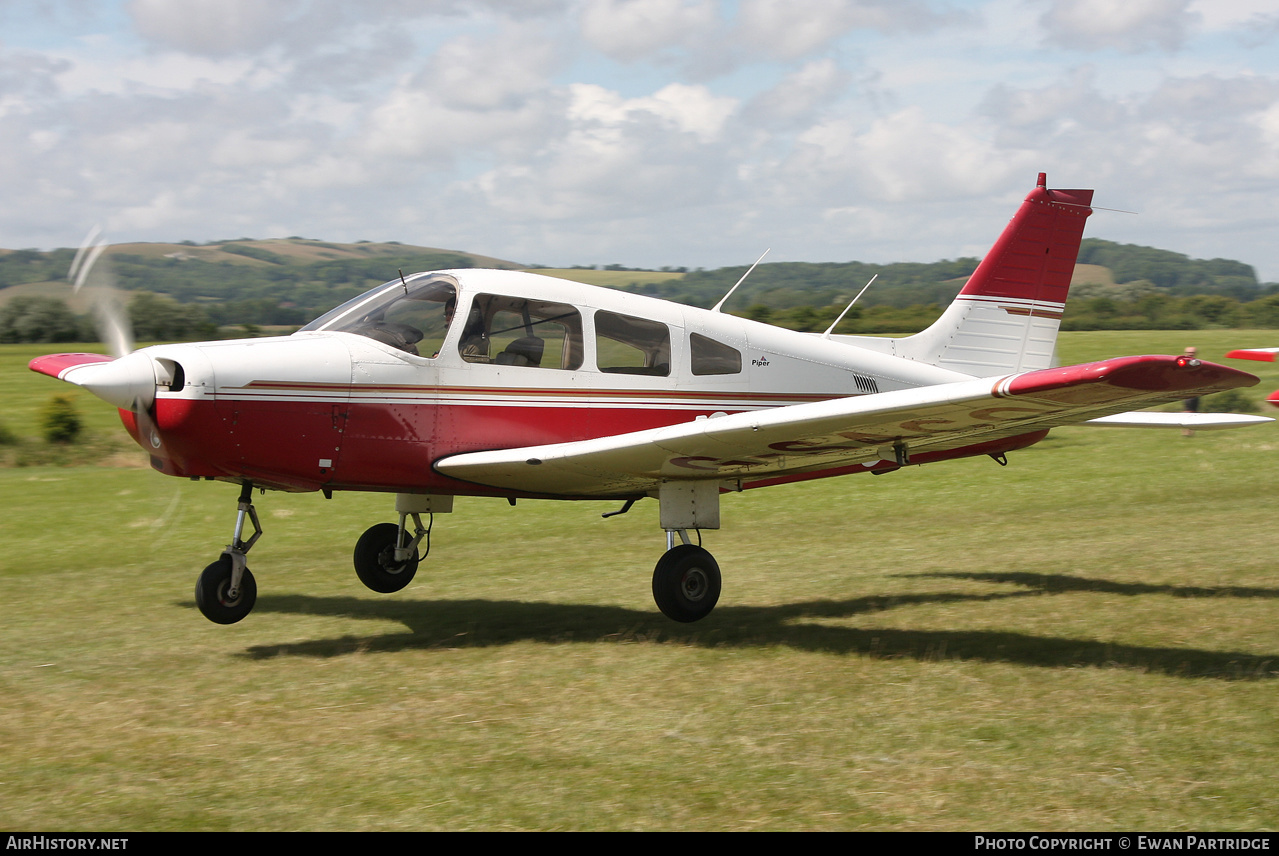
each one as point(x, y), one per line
point(537, 387)
point(1265, 355)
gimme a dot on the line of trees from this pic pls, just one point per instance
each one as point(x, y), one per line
point(159, 318)
point(185, 298)
point(1156, 311)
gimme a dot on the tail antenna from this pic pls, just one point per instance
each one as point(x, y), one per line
point(832, 327)
point(722, 300)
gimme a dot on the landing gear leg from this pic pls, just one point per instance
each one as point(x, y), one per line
point(686, 581)
point(226, 590)
point(386, 556)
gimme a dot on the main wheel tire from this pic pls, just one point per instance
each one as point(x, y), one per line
point(686, 583)
point(375, 563)
point(211, 593)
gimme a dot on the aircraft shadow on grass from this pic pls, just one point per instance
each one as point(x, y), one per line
point(444, 624)
point(1060, 583)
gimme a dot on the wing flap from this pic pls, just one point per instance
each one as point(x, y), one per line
point(863, 429)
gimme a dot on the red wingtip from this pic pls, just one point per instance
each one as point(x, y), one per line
point(1273, 398)
point(1246, 354)
point(54, 365)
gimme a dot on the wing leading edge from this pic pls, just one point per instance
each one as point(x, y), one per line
point(870, 430)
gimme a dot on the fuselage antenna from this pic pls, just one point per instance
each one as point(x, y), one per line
point(716, 307)
point(832, 327)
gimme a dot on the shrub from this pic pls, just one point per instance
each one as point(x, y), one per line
point(60, 420)
point(1230, 401)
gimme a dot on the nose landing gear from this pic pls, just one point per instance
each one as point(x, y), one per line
point(226, 590)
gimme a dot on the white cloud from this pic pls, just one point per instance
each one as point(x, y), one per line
point(630, 30)
point(493, 73)
point(1133, 25)
point(900, 157)
point(214, 27)
point(1227, 14)
point(677, 107)
point(786, 30)
point(799, 96)
point(663, 132)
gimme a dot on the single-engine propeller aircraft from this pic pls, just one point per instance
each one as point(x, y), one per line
point(1265, 355)
point(508, 384)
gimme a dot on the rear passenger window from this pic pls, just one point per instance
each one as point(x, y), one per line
point(628, 345)
point(713, 358)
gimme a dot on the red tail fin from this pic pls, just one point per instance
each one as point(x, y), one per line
point(1007, 315)
point(1035, 256)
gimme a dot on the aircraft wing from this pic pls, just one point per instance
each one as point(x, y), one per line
point(872, 431)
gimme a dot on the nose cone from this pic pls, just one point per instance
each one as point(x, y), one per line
point(127, 383)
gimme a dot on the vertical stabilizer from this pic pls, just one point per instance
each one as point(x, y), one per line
point(1005, 319)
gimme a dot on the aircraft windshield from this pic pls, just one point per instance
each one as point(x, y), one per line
point(413, 316)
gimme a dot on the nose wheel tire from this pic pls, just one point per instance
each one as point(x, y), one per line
point(375, 562)
point(213, 593)
point(686, 583)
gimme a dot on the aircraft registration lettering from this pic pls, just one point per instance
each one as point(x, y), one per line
point(808, 447)
point(687, 463)
point(926, 426)
point(695, 462)
point(990, 413)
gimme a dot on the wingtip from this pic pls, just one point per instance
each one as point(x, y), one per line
point(1259, 354)
point(57, 365)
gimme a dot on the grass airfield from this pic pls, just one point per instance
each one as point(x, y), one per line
point(1087, 639)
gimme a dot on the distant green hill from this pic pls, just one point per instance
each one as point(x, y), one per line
point(788, 285)
point(287, 282)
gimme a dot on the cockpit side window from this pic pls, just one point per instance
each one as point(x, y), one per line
point(628, 345)
point(411, 315)
point(514, 331)
point(713, 358)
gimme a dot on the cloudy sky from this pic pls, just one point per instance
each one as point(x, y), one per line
point(641, 132)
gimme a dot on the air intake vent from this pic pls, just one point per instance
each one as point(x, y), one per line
point(865, 384)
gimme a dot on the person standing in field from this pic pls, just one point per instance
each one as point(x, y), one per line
point(1190, 405)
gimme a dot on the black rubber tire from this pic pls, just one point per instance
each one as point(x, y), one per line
point(211, 588)
point(686, 583)
point(375, 563)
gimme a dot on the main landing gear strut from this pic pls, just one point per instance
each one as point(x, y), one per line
point(386, 556)
point(686, 581)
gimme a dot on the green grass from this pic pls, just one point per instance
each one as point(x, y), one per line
point(1086, 639)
